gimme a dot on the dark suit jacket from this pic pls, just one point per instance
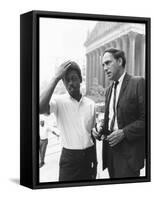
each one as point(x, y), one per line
point(130, 118)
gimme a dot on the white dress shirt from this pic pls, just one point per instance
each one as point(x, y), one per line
point(111, 112)
point(75, 120)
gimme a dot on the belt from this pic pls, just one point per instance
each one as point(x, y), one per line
point(80, 150)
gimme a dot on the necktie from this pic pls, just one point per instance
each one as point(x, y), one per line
point(114, 106)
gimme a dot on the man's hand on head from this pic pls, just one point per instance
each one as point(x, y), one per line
point(62, 69)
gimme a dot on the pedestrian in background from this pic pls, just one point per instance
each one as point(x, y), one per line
point(43, 142)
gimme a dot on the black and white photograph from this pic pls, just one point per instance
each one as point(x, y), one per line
point(92, 100)
point(76, 100)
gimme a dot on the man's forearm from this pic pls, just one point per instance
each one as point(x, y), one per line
point(47, 94)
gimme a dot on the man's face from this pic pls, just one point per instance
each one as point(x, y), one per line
point(112, 67)
point(72, 83)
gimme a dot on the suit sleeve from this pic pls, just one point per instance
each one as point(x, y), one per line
point(104, 126)
point(136, 129)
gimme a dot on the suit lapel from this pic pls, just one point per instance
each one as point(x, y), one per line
point(124, 84)
point(107, 103)
point(108, 96)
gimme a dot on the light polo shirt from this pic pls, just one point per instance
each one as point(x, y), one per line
point(111, 112)
point(75, 120)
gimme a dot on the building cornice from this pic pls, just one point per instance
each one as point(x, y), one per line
point(112, 31)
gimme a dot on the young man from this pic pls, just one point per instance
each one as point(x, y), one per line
point(124, 121)
point(75, 118)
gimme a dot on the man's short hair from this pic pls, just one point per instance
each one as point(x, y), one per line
point(117, 53)
point(73, 66)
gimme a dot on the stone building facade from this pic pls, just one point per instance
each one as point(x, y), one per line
point(130, 37)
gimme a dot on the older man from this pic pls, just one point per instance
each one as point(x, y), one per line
point(124, 123)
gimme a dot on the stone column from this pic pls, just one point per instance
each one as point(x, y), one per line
point(125, 49)
point(106, 80)
point(113, 44)
point(143, 56)
point(101, 74)
point(91, 70)
point(138, 54)
point(132, 37)
point(124, 44)
point(97, 65)
point(118, 43)
point(87, 72)
point(92, 67)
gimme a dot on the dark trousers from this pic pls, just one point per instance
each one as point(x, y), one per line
point(78, 164)
point(43, 147)
point(118, 166)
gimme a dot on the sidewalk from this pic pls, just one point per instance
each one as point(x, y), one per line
point(50, 171)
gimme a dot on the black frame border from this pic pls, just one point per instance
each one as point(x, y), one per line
point(29, 97)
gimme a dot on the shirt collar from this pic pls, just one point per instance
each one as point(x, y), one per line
point(72, 99)
point(121, 77)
